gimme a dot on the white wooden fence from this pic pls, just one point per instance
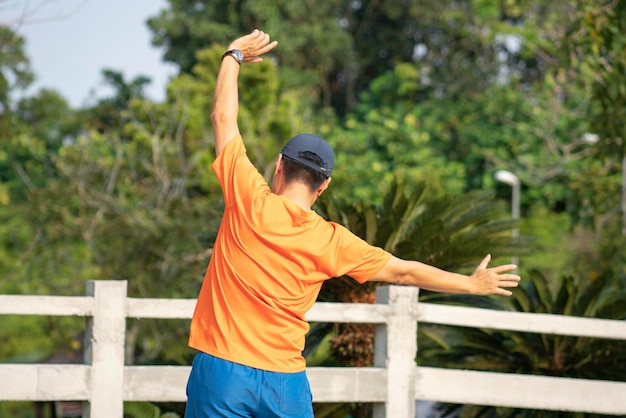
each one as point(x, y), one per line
point(393, 384)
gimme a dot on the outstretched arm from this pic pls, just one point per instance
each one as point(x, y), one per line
point(226, 99)
point(484, 281)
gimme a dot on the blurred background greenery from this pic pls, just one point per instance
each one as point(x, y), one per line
point(423, 101)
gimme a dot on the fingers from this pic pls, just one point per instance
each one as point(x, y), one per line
point(504, 267)
point(508, 284)
point(483, 264)
point(506, 280)
point(509, 277)
point(259, 38)
point(255, 44)
point(267, 48)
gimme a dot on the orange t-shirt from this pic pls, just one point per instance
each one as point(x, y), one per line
point(269, 262)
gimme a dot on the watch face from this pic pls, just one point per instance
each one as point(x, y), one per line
point(238, 55)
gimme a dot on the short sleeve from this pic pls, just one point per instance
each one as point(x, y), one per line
point(357, 258)
point(238, 177)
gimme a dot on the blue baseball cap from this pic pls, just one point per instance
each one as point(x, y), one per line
point(311, 151)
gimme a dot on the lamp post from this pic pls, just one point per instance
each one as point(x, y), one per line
point(512, 180)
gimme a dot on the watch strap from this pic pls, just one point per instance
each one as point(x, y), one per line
point(235, 53)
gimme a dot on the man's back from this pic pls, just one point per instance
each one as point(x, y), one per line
point(269, 262)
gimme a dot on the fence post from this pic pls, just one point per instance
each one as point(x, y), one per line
point(104, 348)
point(395, 349)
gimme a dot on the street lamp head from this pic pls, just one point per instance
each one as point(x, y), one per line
point(590, 138)
point(507, 177)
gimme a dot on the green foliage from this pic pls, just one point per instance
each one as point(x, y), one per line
point(145, 410)
point(448, 231)
point(129, 200)
point(422, 100)
point(526, 132)
point(37, 348)
point(388, 136)
point(14, 65)
point(40, 125)
point(551, 231)
point(135, 205)
point(491, 85)
point(17, 409)
point(596, 46)
point(337, 47)
point(315, 42)
point(111, 113)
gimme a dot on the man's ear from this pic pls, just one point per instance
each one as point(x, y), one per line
point(324, 186)
point(278, 167)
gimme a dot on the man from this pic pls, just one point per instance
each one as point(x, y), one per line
point(270, 258)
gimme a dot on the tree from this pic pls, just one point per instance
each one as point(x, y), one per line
point(595, 49)
point(32, 131)
point(316, 46)
point(15, 73)
point(15, 69)
point(595, 52)
point(386, 137)
point(39, 125)
point(111, 112)
point(338, 47)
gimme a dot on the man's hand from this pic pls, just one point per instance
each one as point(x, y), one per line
point(490, 281)
point(253, 45)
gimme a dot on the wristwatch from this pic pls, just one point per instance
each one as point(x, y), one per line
point(235, 53)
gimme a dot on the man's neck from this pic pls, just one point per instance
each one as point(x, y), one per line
point(298, 193)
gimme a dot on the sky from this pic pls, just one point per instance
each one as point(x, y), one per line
point(70, 42)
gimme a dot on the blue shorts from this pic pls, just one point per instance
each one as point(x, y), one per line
point(222, 389)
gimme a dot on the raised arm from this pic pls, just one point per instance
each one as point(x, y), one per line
point(226, 99)
point(484, 281)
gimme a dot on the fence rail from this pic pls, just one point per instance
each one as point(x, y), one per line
point(393, 384)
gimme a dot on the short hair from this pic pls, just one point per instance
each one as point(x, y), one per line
point(295, 171)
